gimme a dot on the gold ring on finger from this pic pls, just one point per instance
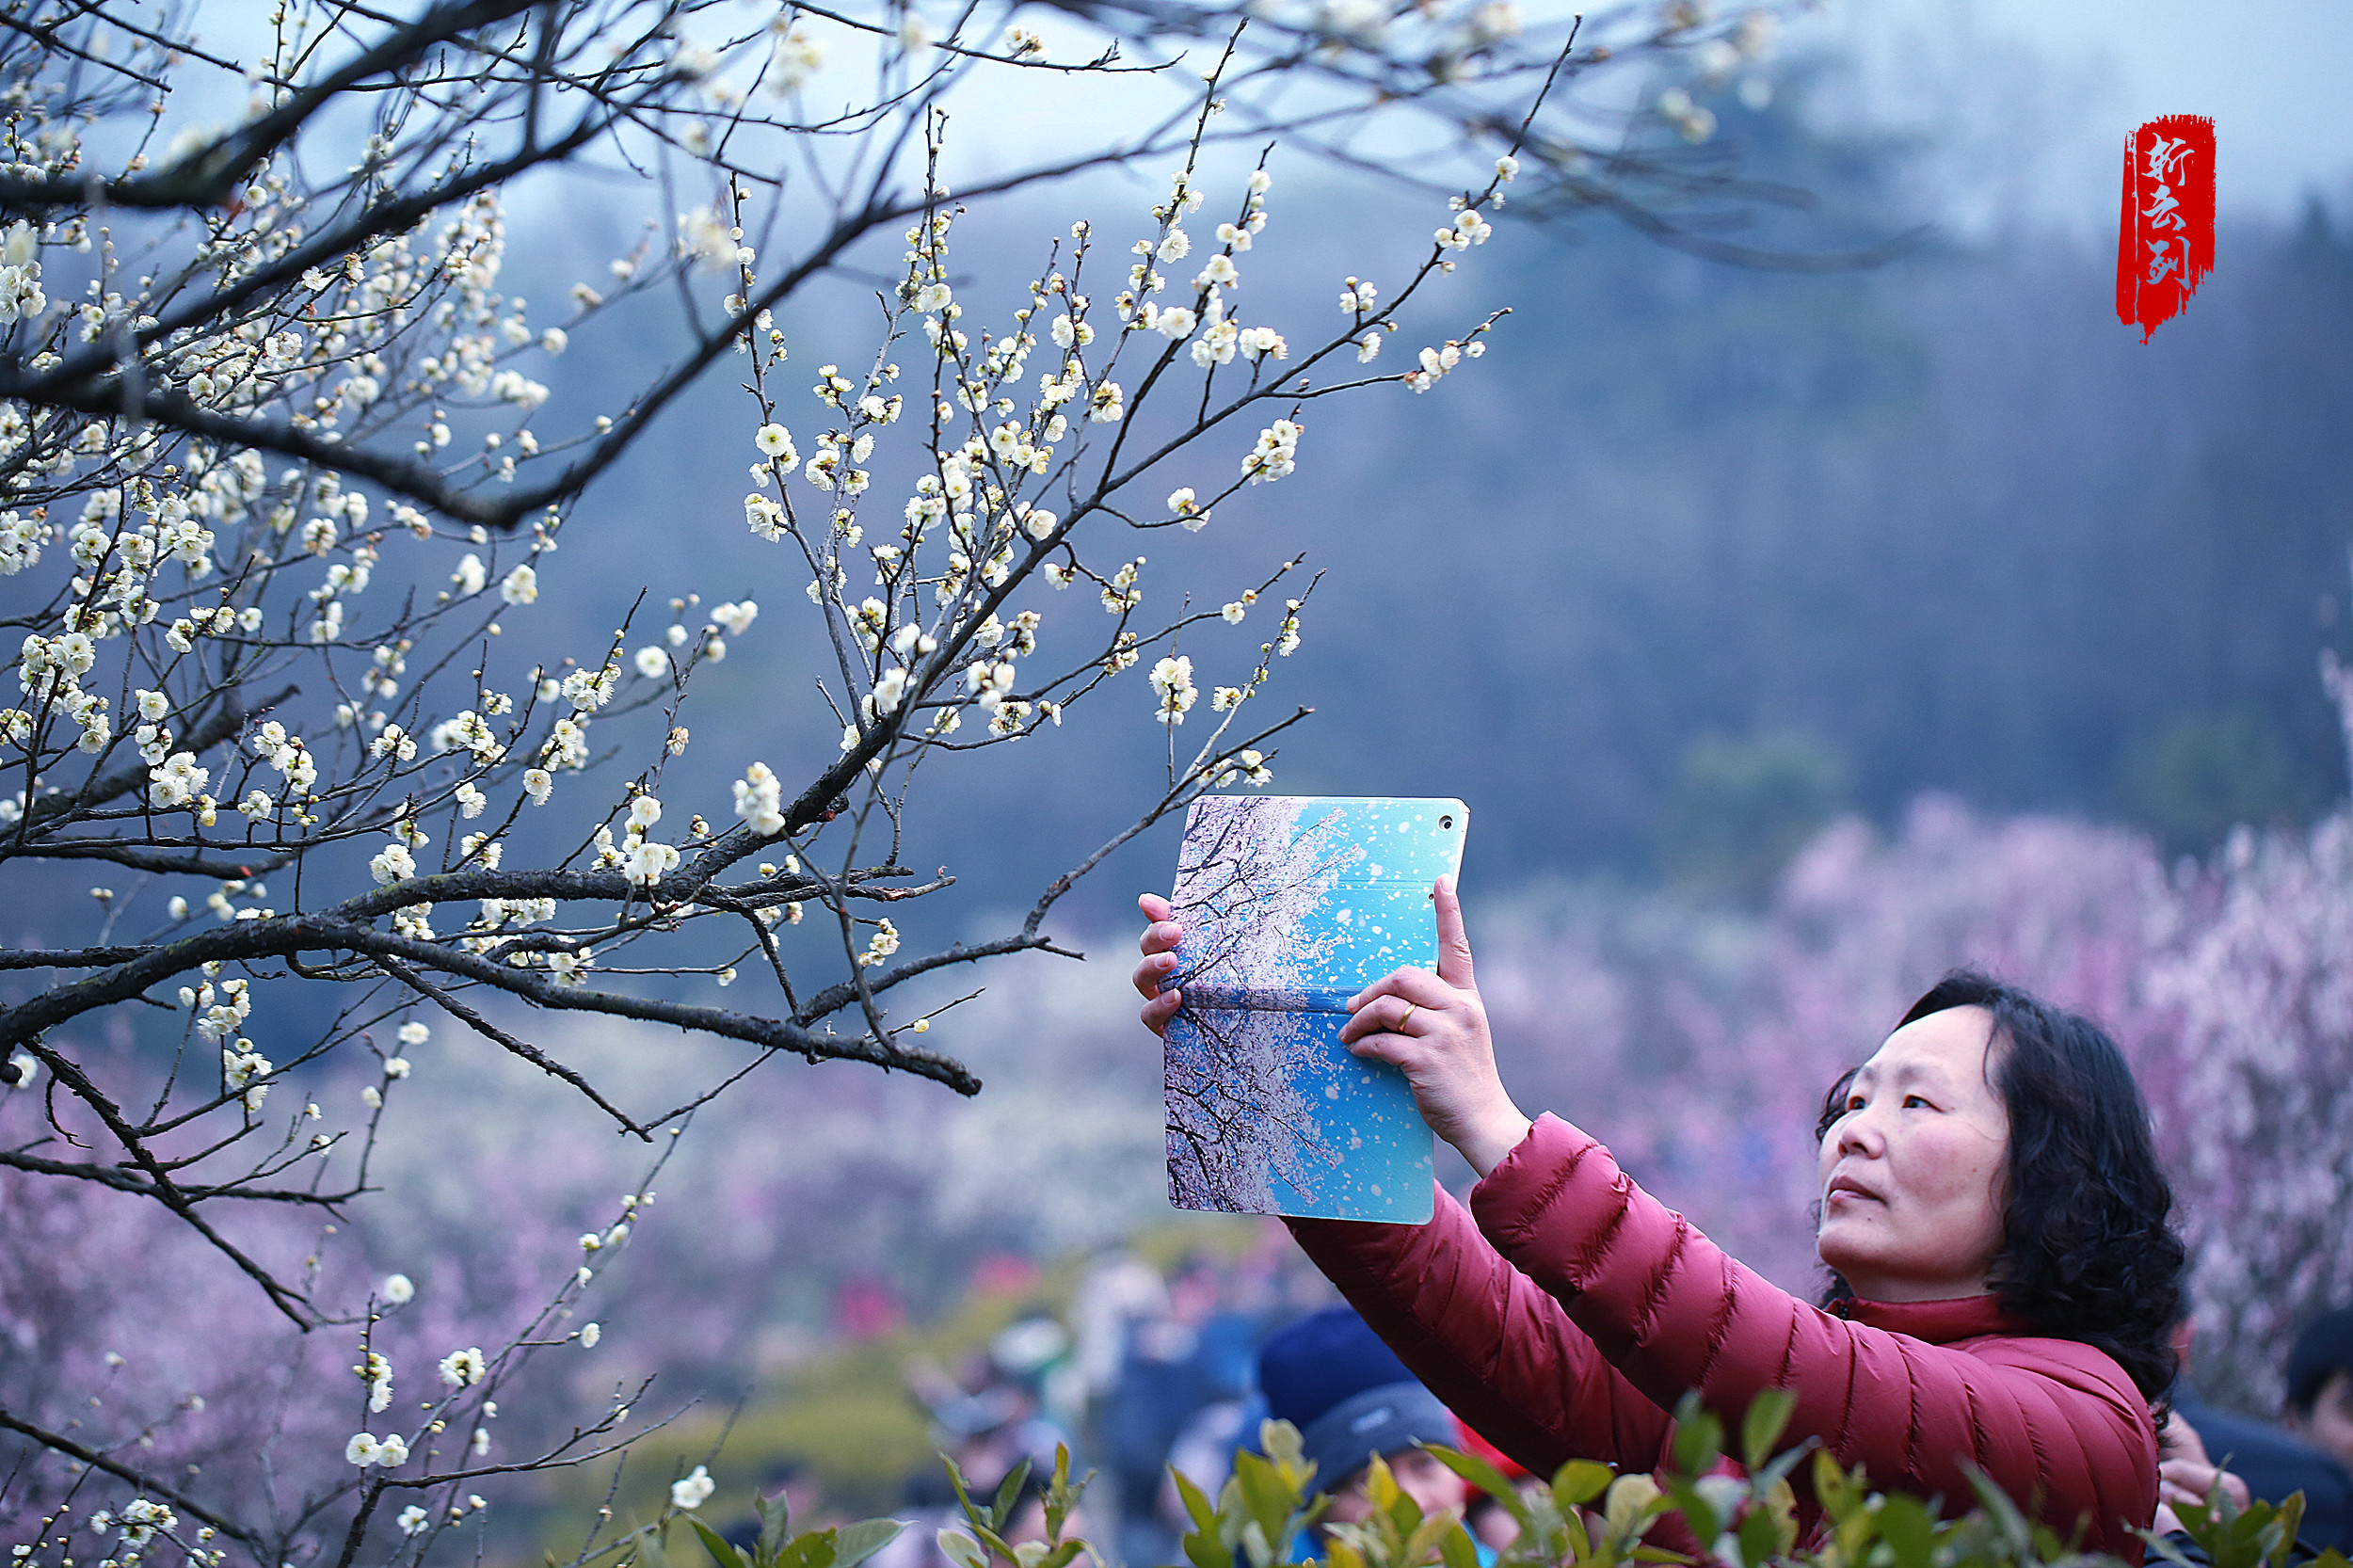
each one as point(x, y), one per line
point(1399, 1028)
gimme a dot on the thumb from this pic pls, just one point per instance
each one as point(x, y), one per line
point(1454, 953)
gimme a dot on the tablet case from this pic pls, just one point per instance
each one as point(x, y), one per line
point(1291, 905)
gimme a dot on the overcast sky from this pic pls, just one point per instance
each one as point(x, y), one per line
point(2079, 75)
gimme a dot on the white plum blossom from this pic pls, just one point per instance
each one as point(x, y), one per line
point(378, 1372)
point(880, 945)
point(1172, 679)
point(776, 442)
point(758, 799)
point(763, 516)
point(142, 1520)
point(693, 1491)
point(413, 1520)
point(589, 1335)
point(365, 1448)
point(177, 782)
point(1276, 453)
point(520, 586)
point(1247, 766)
point(393, 863)
point(648, 862)
point(397, 1290)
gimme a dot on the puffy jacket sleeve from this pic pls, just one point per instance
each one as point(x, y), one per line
point(2046, 1419)
point(1487, 1340)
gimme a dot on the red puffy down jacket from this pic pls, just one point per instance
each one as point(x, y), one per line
point(1568, 1319)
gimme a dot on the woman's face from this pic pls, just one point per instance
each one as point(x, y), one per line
point(1912, 1169)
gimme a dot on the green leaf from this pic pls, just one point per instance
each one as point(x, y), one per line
point(1279, 1442)
point(2292, 1517)
point(1206, 1546)
point(1203, 1550)
point(1198, 1505)
point(1581, 1540)
point(1761, 1427)
point(1485, 1477)
point(1001, 1512)
point(1758, 1536)
point(774, 1527)
point(1426, 1543)
point(1062, 1496)
point(1696, 1510)
point(1579, 1482)
point(854, 1543)
point(1699, 1436)
point(1456, 1551)
point(955, 1479)
point(960, 1549)
point(813, 1550)
point(721, 1553)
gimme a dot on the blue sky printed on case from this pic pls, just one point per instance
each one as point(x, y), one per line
point(1291, 905)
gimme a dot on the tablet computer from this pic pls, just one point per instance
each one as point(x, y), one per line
point(1291, 905)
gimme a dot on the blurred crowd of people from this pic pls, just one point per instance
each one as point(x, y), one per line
point(1148, 1367)
point(1153, 1368)
point(2310, 1450)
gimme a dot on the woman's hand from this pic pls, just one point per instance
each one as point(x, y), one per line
point(1160, 962)
point(2186, 1474)
point(1433, 1026)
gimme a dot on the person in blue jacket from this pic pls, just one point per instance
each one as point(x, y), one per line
point(1352, 1400)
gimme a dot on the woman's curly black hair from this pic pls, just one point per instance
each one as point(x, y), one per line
point(2088, 1250)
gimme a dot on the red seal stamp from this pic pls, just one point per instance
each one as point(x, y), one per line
point(2165, 236)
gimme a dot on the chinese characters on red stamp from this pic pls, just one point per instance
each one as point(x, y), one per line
point(2165, 236)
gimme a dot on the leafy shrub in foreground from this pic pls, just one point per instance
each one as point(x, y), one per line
point(1589, 1515)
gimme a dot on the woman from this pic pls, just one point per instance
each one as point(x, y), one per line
point(2004, 1274)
